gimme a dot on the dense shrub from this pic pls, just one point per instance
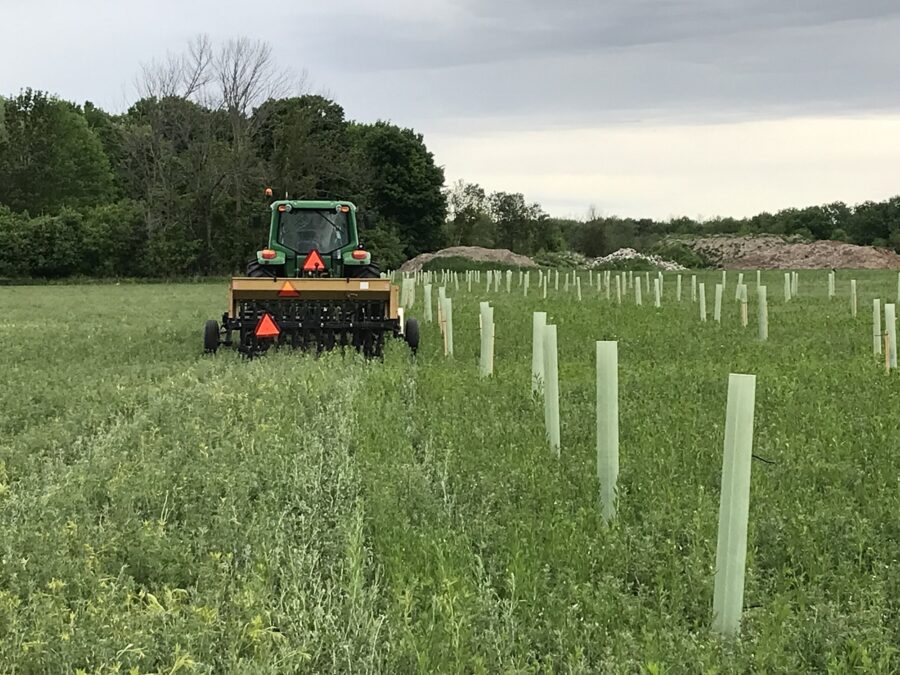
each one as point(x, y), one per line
point(105, 241)
point(13, 239)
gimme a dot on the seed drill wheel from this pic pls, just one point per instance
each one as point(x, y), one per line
point(211, 336)
point(411, 334)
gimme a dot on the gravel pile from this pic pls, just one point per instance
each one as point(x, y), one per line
point(629, 254)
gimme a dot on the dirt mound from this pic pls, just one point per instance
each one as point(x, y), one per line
point(773, 252)
point(501, 256)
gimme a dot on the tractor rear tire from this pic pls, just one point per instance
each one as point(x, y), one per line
point(411, 334)
point(370, 271)
point(211, 336)
point(254, 269)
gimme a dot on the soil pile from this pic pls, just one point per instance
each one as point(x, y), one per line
point(500, 256)
point(773, 252)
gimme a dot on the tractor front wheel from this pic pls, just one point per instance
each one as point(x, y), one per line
point(211, 336)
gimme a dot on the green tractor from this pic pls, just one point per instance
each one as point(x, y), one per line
point(314, 286)
point(299, 227)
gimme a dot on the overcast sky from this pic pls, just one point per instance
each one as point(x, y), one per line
point(637, 107)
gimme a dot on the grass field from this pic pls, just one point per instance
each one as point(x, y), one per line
point(164, 511)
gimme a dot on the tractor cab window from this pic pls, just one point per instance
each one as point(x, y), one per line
point(302, 230)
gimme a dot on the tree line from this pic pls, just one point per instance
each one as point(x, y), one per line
point(870, 223)
point(173, 186)
point(502, 219)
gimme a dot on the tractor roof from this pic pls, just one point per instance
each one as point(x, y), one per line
point(311, 204)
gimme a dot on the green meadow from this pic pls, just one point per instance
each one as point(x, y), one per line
point(166, 511)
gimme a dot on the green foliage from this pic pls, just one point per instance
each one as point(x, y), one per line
point(307, 147)
point(13, 243)
point(864, 224)
point(522, 227)
point(840, 234)
point(635, 265)
point(385, 244)
point(193, 179)
point(49, 157)
point(499, 220)
point(194, 175)
point(104, 241)
point(680, 253)
point(405, 184)
point(468, 220)
point(55, 245)
point(162, 511)
point(560, 259)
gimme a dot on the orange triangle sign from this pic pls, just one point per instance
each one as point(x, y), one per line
point(288, 291)
point(266, 327)
point(313, 262)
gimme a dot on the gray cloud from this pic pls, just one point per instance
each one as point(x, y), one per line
point(497, 70)
point(635, 60)
point(452, 63)
point(491, 32)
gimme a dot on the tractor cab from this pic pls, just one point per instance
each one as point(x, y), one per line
point(313, 239)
